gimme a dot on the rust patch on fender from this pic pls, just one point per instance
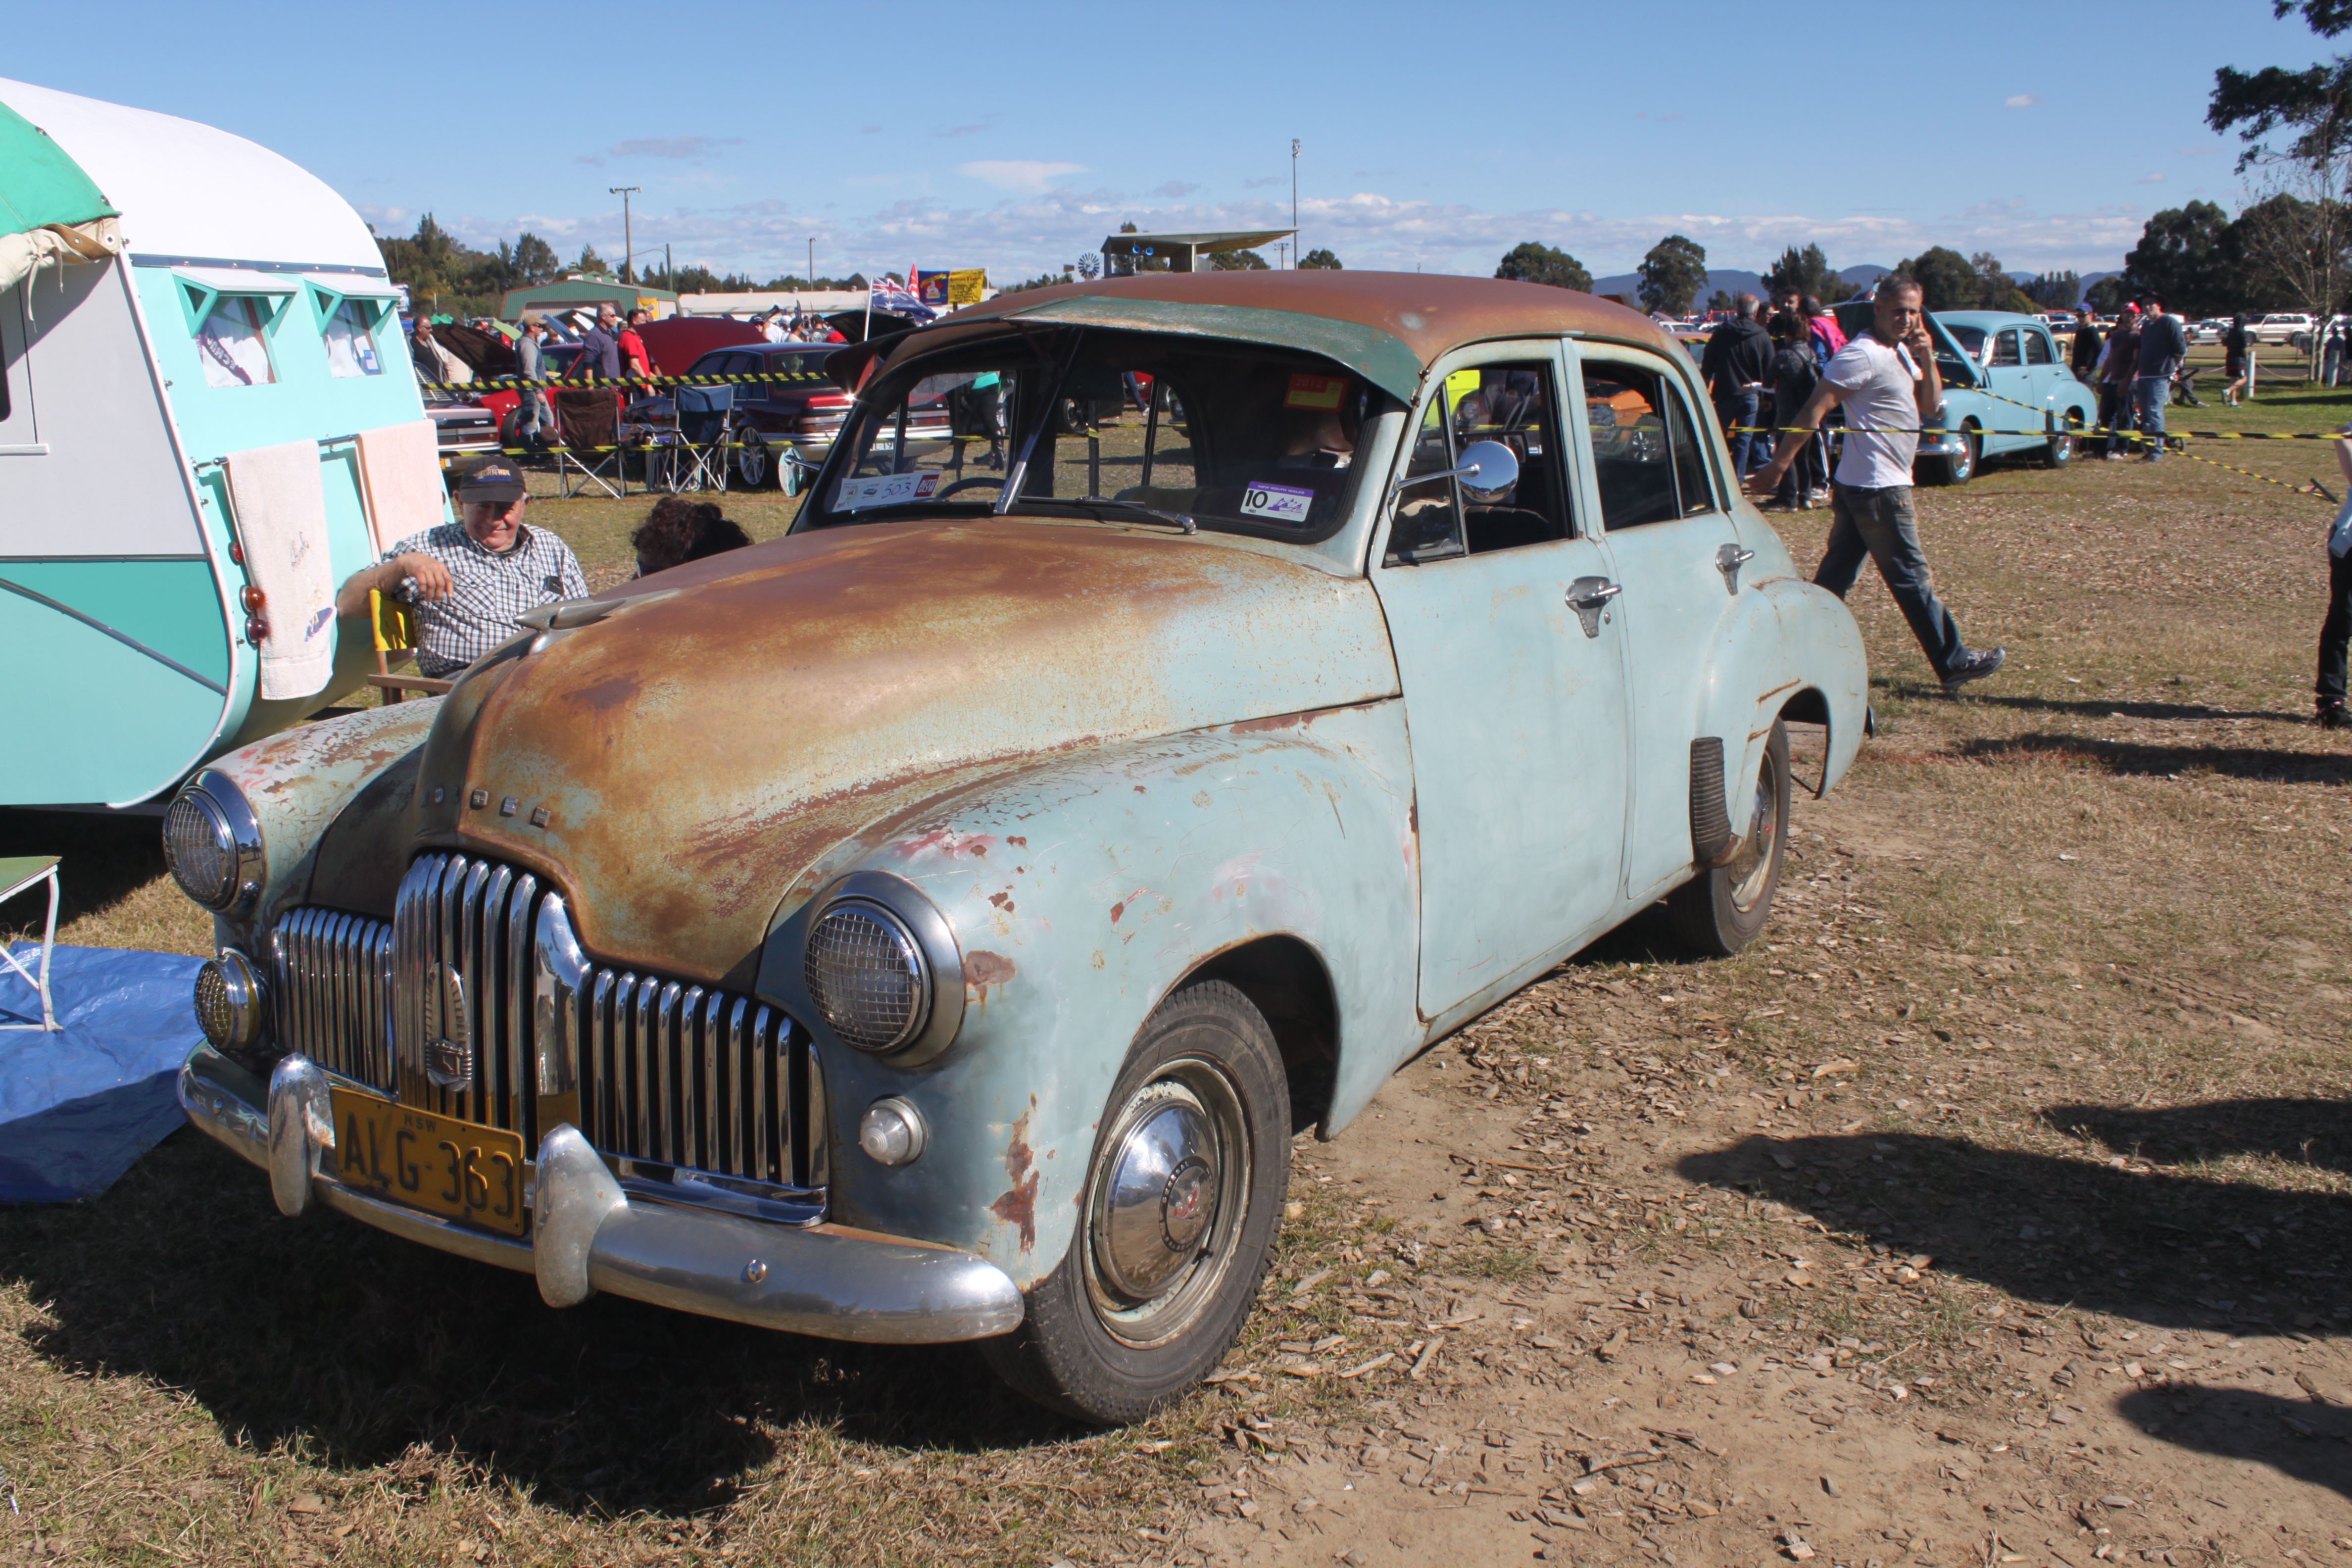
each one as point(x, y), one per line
point(608, 694)
point(984, 969)
point(1018, 1206)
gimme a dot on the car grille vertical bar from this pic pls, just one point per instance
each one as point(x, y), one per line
point(670, 1072)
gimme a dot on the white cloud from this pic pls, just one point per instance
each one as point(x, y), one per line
point(1024, 175)
point(2151, 179)
point(1035, 229)
point(1175, 188)
point(2019, 100)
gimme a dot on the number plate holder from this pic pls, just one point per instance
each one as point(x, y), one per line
point(458, 1170)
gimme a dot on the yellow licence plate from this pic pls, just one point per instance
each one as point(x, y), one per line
point(454, 1169)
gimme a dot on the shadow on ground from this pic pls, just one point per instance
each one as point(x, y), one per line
point(2263, 763)
point(2180, 1251)
point(359, 1345)
point(2299, 1437)
point(106, 859)
point(2314, 1132)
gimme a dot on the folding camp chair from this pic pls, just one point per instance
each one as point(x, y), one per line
point(394, 624)
point(588, 442)
point(703, 413)
point(21, 874)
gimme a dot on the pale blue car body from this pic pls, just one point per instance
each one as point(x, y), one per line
point(1116, 758)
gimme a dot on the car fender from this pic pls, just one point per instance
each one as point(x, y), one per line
point(1081, 892)
point(1793, 649)
point(299, 781)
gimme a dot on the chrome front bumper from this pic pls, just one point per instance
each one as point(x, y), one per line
point(588, 1235)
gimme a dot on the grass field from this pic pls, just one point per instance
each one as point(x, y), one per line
point(2068, 948)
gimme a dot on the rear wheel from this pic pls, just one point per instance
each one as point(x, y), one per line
point(1721, 910)
point(2064, 441)
point(1176, 1223)
point(754, 463)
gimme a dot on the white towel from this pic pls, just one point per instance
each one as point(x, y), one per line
point(281, 521)
point(400, 466)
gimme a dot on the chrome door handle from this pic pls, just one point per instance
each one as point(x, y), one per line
point(1588, 597)
point(1728, 560)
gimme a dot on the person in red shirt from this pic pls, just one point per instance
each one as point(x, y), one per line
point(634, 359)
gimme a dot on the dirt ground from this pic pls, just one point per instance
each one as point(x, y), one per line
point(1992, 1209)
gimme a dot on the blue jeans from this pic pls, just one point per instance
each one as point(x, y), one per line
point(2149, 395)
point(1879, 524)
point(1748, 453)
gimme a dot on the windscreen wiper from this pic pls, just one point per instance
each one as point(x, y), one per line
point(1176, 518)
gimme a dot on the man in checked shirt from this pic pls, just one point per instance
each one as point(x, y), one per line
point(470, 579)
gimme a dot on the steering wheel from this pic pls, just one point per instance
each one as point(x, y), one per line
point(965, 485)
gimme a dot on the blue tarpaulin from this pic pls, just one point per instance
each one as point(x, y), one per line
point(79, 1104)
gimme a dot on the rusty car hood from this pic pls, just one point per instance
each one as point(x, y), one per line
point(675, 765)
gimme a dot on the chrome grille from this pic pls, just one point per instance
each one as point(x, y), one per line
point(333, 998)
point(479, 963)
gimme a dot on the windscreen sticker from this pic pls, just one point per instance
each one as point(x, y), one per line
point(1277, 503)
point(1461, 384)
point(884, 489)
point(1314, 392)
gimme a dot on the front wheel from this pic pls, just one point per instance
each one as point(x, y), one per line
point(1177, 1221)
point(1957, 469)
point(1721, 910)
point(754, 465)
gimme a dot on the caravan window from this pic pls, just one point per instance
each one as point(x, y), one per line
point(231, 345)
point(351, 343)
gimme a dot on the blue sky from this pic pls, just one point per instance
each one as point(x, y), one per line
point(1014, 136)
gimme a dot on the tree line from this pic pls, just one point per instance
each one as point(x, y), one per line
point(447, 277)
point(1675, 270)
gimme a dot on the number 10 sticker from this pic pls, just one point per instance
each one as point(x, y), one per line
point(1277, 503)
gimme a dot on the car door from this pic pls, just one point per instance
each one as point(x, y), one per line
point(1502, 615)
point(2006, 378)
point(2046, 372)
point(1663, 512)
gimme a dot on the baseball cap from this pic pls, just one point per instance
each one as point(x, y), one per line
point(492, 479)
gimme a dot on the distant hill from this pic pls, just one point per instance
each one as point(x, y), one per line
point(1734, 282)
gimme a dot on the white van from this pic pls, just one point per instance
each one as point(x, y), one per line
point(2278, 328)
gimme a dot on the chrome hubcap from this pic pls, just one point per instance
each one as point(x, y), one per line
point(1752, 867)
point(1165, 1203)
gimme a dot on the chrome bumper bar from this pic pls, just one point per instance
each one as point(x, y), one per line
point(587, 1235)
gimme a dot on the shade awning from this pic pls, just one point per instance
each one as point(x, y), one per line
point(39, 184)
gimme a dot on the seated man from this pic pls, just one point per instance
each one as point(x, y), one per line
point(470, 580)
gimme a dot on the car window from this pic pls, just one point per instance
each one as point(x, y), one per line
point(1645, 453)
point(1516, 402)
point(1237, 436)
point(2005, 351)
point(2037, 350)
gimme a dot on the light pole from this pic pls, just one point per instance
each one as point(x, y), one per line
point(1294, 190)
point(628, 245)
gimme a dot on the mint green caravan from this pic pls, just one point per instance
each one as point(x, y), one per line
point(180, 311)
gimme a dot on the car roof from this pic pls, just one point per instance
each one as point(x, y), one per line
point(1387, 326)
point(1988, 321)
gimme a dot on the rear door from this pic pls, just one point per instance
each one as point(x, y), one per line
point(1664, 510)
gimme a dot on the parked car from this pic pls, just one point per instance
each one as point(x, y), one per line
point(2007, 392)
point(795, 406)
point(936, 923)
point(2278, 327)
point(465, 426)
point(2301, 341)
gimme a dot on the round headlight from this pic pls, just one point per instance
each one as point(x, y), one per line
point(867, 975)
point(212, 843)
point(229, 1000)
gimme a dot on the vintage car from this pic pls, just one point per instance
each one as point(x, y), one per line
point(2007, 393)
point(936, 923)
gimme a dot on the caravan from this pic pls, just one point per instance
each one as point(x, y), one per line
point(207, 421)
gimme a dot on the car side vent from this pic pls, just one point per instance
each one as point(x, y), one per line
point(1710, 823)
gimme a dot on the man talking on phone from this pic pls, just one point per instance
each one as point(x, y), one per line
point(1885, 380)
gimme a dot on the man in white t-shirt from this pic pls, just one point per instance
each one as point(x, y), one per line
point(1886, 382)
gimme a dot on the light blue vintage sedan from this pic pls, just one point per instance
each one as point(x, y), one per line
point(2007, 392)
point(934, 925)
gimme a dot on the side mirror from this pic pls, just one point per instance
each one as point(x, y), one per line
point(1489, 469)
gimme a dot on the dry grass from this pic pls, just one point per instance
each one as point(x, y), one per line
point(2065, 954)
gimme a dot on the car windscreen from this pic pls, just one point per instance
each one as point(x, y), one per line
point(1241, 438)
